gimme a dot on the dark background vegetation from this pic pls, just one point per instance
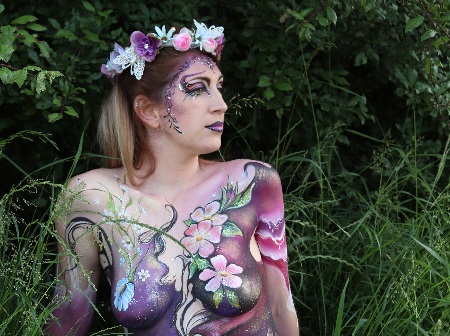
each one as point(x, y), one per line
point(349, 100)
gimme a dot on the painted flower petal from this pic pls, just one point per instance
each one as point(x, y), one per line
point(219, 219)
point(234, 269)
point(211, 209)
point(190, 243)
point(232, 281)
point(204, 226)
point(206, 248)
point(191, 230)
point(219, 262)
point(213, 284)
point(206, 274)
point(198, 214)
point(214, 234)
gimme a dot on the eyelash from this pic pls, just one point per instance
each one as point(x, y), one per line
point(198, 90)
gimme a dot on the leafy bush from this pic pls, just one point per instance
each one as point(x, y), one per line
point(349, 100)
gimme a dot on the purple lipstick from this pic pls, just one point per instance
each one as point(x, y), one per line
point(216, 127)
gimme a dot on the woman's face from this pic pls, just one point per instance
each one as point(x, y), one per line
point(195, 108)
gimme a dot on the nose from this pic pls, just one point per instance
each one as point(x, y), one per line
point(218, 105)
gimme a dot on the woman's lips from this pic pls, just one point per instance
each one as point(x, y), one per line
point(216, 127)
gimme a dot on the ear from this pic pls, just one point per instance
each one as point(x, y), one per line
point(147, 111)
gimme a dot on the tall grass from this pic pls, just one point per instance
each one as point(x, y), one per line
point(369, 250)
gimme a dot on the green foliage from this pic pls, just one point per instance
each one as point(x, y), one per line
point(349, 100)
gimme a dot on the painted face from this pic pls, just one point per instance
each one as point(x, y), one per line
point(195, 107)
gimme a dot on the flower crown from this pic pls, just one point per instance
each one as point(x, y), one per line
point(144, 48)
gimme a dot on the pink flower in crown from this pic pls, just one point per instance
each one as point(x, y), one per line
point(209, 213)
point(182, 41)
point(146, 46)
point(220, 43)
point(209, 45)
point(201, 236)
point(221, 275)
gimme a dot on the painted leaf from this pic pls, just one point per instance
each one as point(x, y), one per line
point(192, 269)
point(243, 199)
point(218, 297)
point(230, 230)
point(232, 298)
point(189, 221)
point(201, 263)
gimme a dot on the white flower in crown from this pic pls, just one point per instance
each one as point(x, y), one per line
point(204, 35)
point(162, 35)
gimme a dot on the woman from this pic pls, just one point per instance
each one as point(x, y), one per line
point(189, 247)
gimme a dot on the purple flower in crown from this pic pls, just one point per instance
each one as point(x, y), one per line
point(146, 46)
point(110, 69)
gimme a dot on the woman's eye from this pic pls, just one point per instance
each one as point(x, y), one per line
point(196, 89)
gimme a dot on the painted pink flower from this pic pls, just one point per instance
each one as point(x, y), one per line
point(209, 45)
point(209, 213)
point(221, 275)
point(182, 41)
point(200, 237)
point(146, 45)
point(220, 43)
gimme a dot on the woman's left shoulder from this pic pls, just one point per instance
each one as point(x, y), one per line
point(261, 170)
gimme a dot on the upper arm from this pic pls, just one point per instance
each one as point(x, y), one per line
point(271, 238)
point(78, 270)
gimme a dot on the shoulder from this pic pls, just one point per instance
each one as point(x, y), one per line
point(86, 192)
point(248, 164)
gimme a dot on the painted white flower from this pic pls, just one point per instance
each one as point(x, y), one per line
point(209, 213)
point(138, 229)
point(108, 217)
point(127, 243)
point(123, 295)
point(143, 275)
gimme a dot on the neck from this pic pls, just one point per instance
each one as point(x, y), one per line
point(172, 174)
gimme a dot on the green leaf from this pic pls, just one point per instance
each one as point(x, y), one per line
point(230, 229)
point(429, 33)
point(19, 77)
point(218, 297)
point(192, 269)
point(63, 33)
point(264, 81)
point(189, 221)
point(243, 199)
point(413, 23)
point(361, 59)
point(36, 27)
point(6, 46)
point(2, 8)
point(269, 94)
point(5, 76)
point(57, 102)
point(105, 13)
point(91, 36)
point(201, 263)
point(88, 6)
point(24, 19)
point(54, 117)
point(322, 21)
point(283, 86)
point(232, 298)
point(331, 15)
point(70, 111)
point(44, 48)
